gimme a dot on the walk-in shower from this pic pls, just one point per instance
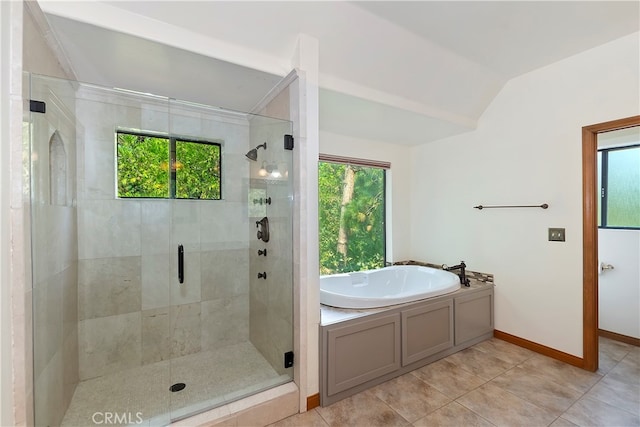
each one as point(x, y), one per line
point(153, 297)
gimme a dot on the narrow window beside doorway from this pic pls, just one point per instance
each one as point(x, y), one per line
point(619, 179)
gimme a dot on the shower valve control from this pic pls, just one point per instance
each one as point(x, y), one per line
point(262, 275)
point(263, 232)
point(262, 252)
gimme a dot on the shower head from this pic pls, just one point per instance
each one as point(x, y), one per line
point(253, 153)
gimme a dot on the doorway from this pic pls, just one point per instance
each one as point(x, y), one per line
point(590, 201)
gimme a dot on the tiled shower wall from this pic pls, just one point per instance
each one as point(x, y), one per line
point(132, 310)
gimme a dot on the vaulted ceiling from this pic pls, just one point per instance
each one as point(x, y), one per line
point(402, 72)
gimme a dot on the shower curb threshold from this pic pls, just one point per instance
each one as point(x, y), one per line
point(261, 408)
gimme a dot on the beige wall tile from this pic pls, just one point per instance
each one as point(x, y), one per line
point(155, 227)
point(156, 335)
point(109, 286)
point(47, 321)
point(224, 274)
point(70, 300)
point(109, 344)
point(155, 281)
point(225, 321)
point(185, 329)
point(185, 224)
point(108, 228)
point(224, 221)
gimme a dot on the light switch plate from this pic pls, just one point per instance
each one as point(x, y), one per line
point(556, 234)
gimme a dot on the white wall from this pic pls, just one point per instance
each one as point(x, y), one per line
point(526, 150)
point(398, 182)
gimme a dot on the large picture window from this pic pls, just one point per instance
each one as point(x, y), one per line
point(351, 215)
point(619, 179)
point(166, 167)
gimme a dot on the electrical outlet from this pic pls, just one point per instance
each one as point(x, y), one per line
point(556, 234)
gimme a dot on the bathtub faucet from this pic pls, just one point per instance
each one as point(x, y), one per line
point(463, 276)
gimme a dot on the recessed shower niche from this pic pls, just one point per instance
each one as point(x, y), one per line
point(57, 170)
point(114, 326)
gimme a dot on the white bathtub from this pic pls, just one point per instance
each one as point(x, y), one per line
point(385, 286)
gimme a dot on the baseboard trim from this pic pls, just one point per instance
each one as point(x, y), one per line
point(619, 337)
point(313, 401)
point(539, 348)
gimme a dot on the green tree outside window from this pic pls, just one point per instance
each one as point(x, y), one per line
point(351, 217)
point(166, 167)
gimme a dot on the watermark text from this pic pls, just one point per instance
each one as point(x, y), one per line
point(107, 418)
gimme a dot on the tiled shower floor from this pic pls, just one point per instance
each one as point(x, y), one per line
point(212, 378)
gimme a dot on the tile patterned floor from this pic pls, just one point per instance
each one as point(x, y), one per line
point(495, 383)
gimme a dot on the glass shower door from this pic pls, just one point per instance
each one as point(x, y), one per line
point(271, 259)
point(124, 225)
point(216, 311)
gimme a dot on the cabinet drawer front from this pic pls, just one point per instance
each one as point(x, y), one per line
point(426, 330)
point(362, 352)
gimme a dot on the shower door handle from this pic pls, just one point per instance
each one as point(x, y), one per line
point(181, 263)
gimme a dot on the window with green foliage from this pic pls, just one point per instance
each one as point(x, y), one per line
point(152, 166)
point(351, 216)
point(619, 179)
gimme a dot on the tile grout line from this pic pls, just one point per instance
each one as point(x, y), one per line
point(471, 410)
point(544, 379)
point(584, 395)
point(321, 417)
point(598, 382)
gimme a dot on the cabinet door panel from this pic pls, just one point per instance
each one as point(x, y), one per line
point(426, 330)
point(474, 316)
point(360, 352)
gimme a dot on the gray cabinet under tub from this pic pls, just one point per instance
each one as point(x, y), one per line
point(371, 348)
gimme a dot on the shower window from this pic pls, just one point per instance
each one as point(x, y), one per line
point(157, 166)
point(351, 196)
point(619, 179)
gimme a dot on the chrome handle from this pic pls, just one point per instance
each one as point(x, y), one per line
point(604, 266)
